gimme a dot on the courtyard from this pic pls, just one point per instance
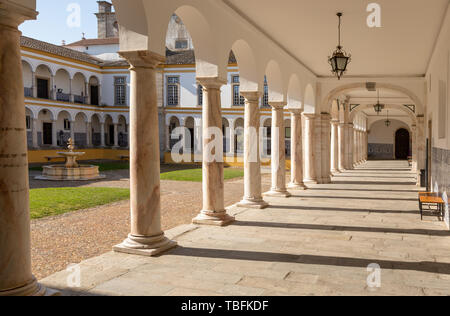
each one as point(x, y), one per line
point(318, 242)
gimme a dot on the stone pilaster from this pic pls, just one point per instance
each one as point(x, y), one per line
point(146, 237)
point(35, 133)
point(342, 147)
point(54, 134)
point(325, 142)
point(102, 134)
point(116, 135)
point(88, 134)
point(296, 150)
point(335, 146)
point(414, 147)
point(252, 163)
point(278, 152)
point(309, 154)
point(213, 212)
point(16, 278)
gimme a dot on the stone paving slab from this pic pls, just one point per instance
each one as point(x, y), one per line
point(319, 242)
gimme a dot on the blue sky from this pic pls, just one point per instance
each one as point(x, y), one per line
point(52, 23)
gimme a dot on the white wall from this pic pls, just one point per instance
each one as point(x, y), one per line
point(381, 134)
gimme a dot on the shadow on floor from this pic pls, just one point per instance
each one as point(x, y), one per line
point(363, 190)
point(353, 198)
point(383, 230)
point(333, 209)
point(432, 267)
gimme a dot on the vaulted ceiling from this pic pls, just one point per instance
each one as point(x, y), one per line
point(308, 30)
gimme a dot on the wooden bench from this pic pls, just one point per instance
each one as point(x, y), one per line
point(123, 157)
point(50, 158)
point(431, 199)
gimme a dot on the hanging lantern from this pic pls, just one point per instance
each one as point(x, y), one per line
point(378, 107)
point(387, 122)
point(340, 59)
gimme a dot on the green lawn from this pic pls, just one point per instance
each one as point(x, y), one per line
point(55, 201)
point(195, 175)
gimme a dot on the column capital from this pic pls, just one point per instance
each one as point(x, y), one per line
point(13, 14)
point(309, 116)
point(296, 111)
point(277, 105)
point(251, 96)
point(211, 82)
point(143, 58)
point(335, 122)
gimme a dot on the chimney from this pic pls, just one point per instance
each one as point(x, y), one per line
point(106, 20)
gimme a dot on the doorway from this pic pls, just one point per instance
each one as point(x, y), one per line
point(111, 135)
point(94, 95)
point(42, 88)
point(47, 129)
point(402, 143)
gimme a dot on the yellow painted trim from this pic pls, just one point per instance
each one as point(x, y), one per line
point(77, 107)
point(229, 161)
point(62, 64)
point(38, 156)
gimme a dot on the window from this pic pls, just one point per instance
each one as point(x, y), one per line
point(173, 88)
point(66, 125)
point(266, 94)
point(120, 90)
point(200, 95)
point(28, 120)
point(238, 100)
point(181, 44)
point(442, 109)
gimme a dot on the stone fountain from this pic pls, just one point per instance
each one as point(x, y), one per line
point(71, 171)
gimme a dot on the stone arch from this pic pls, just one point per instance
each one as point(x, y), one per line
point(402, 108)
point(294, 95)
point(62, 83)
point(27, 71)
point(46, 111)
point(309, 100)
point(43, 66)
point(326, 104)
point(69, 115)
point(250, 78)
point(207, 59)
point(275, 82)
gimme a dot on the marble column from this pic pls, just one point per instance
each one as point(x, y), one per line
point(35, 134)
point(146, 237)
point(116, 135)
point(325, 142)
point(55, 134)
point(252, 163)
point(335, 146)
point(89, 134)
point(52, 88)
point(278, 159)
point(342, 147)
point(34, 84)
point(16, 278)
point(349, 147)
point(309, 155)
point(71, 96)
point(72, 130)
point(213, 212)
point(296, 150)
point(232, 136)
point(355, 147)
point(102, 134)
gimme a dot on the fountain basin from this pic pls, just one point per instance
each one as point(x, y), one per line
point(62, 173)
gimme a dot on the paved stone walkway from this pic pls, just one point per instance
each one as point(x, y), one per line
point(319, 242)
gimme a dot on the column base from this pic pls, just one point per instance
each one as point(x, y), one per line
point(326, 181)
point(310, 181)
point(145, 246)
point(296, 186)
point(278, 193)
point(335, 171)
point(253, 203)
point(31, 289)
point(213, 218)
